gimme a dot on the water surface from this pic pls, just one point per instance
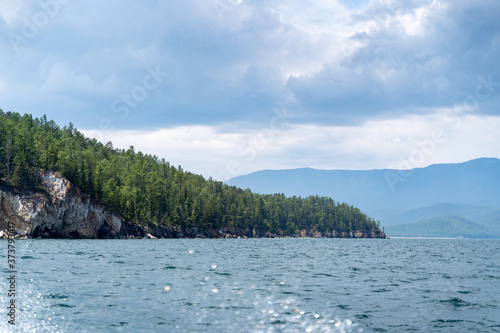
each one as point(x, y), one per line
point(257, 285)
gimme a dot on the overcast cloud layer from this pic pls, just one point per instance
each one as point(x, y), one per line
point(262, 84)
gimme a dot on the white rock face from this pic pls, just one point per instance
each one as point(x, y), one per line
point(65, 212)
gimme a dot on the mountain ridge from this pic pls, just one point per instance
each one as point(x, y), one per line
point(378, 169)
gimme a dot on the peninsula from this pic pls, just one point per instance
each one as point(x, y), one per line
point(56, 183)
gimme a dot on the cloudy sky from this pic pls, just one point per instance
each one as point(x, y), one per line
point(228, 87)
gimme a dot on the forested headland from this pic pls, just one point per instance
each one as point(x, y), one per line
point(147, 190)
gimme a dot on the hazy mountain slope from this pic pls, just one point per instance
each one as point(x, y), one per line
point(479, 214)
point(475, 182)
point(444, 226)
point(489, 218)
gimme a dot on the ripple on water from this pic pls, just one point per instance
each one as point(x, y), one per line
point(27, 257)
point(62, 305)
point(456, 302)
point(382, 290)
point(57, 296)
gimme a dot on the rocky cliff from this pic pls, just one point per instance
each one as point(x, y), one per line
point(64, 211)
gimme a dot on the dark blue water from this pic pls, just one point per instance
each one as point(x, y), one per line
point(256, 285)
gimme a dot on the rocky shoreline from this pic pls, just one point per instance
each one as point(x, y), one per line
point(134, 231)
point(64, 211)
point(173, 232)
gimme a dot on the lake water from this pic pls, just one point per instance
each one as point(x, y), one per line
point(256, 285)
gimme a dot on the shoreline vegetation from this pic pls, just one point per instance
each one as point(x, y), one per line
point(93, 190)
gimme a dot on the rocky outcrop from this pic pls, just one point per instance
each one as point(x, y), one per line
point(336, 234)
point(64, 211)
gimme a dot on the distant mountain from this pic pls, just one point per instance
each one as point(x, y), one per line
point(475, 182)
point(444, 226)
point(469, 190)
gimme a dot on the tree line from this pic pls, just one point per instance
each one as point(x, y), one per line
point(146, 189)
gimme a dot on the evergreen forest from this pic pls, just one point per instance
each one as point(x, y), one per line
point(147, 189)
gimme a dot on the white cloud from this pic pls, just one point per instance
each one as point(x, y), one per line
point(9, 10)
point(61, 78)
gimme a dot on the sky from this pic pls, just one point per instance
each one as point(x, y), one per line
point(228, 87)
